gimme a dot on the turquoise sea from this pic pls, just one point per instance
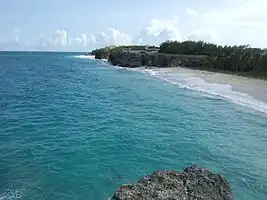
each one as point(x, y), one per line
point(75, 128)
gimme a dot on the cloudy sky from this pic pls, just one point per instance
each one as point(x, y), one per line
point(83, 25)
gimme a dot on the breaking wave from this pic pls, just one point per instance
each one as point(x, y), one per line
point(188, 81)
point(91, 57)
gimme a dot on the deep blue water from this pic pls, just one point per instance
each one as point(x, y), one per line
point(75, 128)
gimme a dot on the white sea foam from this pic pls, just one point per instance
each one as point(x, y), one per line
point(11, 194)
point(119, 67)
point(224, 91)
point(91, 57)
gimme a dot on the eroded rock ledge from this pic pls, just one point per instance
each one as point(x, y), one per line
point(137, 59)
point(191, 184)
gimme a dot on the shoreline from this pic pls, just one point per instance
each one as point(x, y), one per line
point(245, 92)
point(239, 88)
point(256, 88)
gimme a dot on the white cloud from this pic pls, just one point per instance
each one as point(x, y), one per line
point(160, 27)
point(59, 38)
point(75, 41)
point(84, 40)
point(230, 22)
point(54, 41)
point(205, 35)
point(14, 42)
point(118, 37)
point(192, 12)
point(16, 35)
point(112, 37)
point(157, 31)
point(245, 11)
point(40, 40)
point(160, 30)
point(237, 22)
point(138, 40)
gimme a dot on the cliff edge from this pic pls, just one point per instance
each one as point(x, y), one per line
point(137, 59)
point(191, 184)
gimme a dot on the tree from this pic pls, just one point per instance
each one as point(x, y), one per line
point(241, 59)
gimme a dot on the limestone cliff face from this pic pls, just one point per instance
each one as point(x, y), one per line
point(125, 59)
point(191, 184)
point(137, 59)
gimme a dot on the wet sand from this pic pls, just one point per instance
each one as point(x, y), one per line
point(254, 87)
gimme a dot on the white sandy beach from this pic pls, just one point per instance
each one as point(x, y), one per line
point(254, 87)
point(248, 92)
point(244, 91)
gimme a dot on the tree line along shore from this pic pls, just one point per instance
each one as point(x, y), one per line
point(240, 60)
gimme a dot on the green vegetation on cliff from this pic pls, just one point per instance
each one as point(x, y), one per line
point(102, 53)
point(241, 59)
point(106, 51)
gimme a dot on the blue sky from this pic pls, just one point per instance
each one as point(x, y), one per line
point(82, 25)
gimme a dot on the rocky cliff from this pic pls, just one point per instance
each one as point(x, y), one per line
point(137, 59)
point(191, 184)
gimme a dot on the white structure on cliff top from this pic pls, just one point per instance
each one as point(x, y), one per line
point(146, 50)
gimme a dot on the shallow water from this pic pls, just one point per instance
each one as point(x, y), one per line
point(74, 128)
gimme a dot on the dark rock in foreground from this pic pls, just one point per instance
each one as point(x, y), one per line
point(191, 184)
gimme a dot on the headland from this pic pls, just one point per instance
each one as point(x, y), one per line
point(238, 60)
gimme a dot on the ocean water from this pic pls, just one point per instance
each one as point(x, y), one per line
point(77, 128)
